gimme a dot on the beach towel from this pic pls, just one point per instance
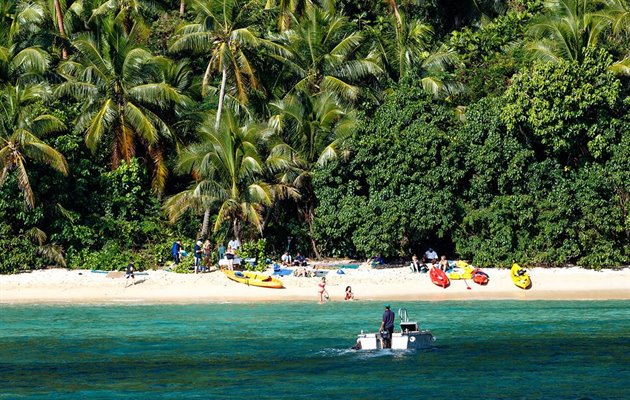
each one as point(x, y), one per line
point(282, 272)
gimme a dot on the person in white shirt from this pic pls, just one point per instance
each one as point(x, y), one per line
point(286, 258)
point(234, 244)
point(430, 256)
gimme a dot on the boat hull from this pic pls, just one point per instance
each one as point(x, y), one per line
point(251, 278)
point(480, 277)
point(523, 281)
point(439, 278)
point(400, 341)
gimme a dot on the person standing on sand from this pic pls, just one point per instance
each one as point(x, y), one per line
point(387, 324)
point(221, 251)
point(129, 273)
point(176, 251)
point(229, 255)
point(198, 254)
point(206, 255)
point(323, 293)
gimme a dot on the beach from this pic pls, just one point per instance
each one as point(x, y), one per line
point(397, 283)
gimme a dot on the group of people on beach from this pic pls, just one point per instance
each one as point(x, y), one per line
point(429, 260)
point(203, 251)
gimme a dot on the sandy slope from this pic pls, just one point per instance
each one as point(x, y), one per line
point(80, 286)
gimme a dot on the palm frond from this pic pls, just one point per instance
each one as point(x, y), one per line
point(100, 123)
point(138, 119)
point(336, 85)
point(621, 67)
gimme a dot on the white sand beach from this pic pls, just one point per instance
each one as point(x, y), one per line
point(84, 286)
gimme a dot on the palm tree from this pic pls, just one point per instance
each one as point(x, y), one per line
point(570, 27)
point(60, 26)
point(314, 131)
point(21, 127)
point(407, 46)
point(321, 53)
point(227, 167)
point(20, 62)
point(124, 93)
point(224, 32)
point(567, 29)
point(128, 13)
point(286, 9)
point(618, 13)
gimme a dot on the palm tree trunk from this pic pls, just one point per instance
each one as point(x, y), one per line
point(182, 8)
point(62, 31)
point(394, 6)
point(237, 229)
point(221, 95)
point(206, 215)
point(205, 226)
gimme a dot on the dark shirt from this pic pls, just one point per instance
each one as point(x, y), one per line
point(388, 319)
point(130, 269)
point(176, 248)
point(197, 251)
point(300, 258)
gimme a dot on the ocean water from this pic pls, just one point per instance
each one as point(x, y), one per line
point(485, 350)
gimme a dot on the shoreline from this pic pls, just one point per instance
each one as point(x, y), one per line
point(60, 286)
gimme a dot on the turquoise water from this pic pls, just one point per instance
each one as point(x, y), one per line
point(485, 350)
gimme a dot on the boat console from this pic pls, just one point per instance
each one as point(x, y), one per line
point(409, 327)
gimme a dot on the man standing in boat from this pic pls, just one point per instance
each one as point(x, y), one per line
point(387, 325)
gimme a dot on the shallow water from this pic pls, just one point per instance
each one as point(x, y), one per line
point(485, 350)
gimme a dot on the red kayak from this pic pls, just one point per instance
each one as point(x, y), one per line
point(480, 277)
point(439, 277)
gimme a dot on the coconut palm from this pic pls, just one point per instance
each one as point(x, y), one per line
point(321, 55)
point(286, 9)
point(227, 168)
point(124, 95)
point(20, 62)
point(223, 32)
point(567, 29)
point(618, 11)
point(128, 13)
point(22, 125)
point(19, 17)
point(314, 131)
point(48, 251)
point(60, 26)
point(570, 27)
point(407, 46)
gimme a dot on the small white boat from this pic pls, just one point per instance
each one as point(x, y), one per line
point(409, 337)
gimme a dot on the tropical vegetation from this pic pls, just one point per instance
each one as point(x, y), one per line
point(489, 130)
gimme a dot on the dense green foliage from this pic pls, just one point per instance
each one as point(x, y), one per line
point(489, 130)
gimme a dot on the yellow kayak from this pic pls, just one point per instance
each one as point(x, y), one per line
point(252, 278)
point(462, 270)
point(520, 277)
